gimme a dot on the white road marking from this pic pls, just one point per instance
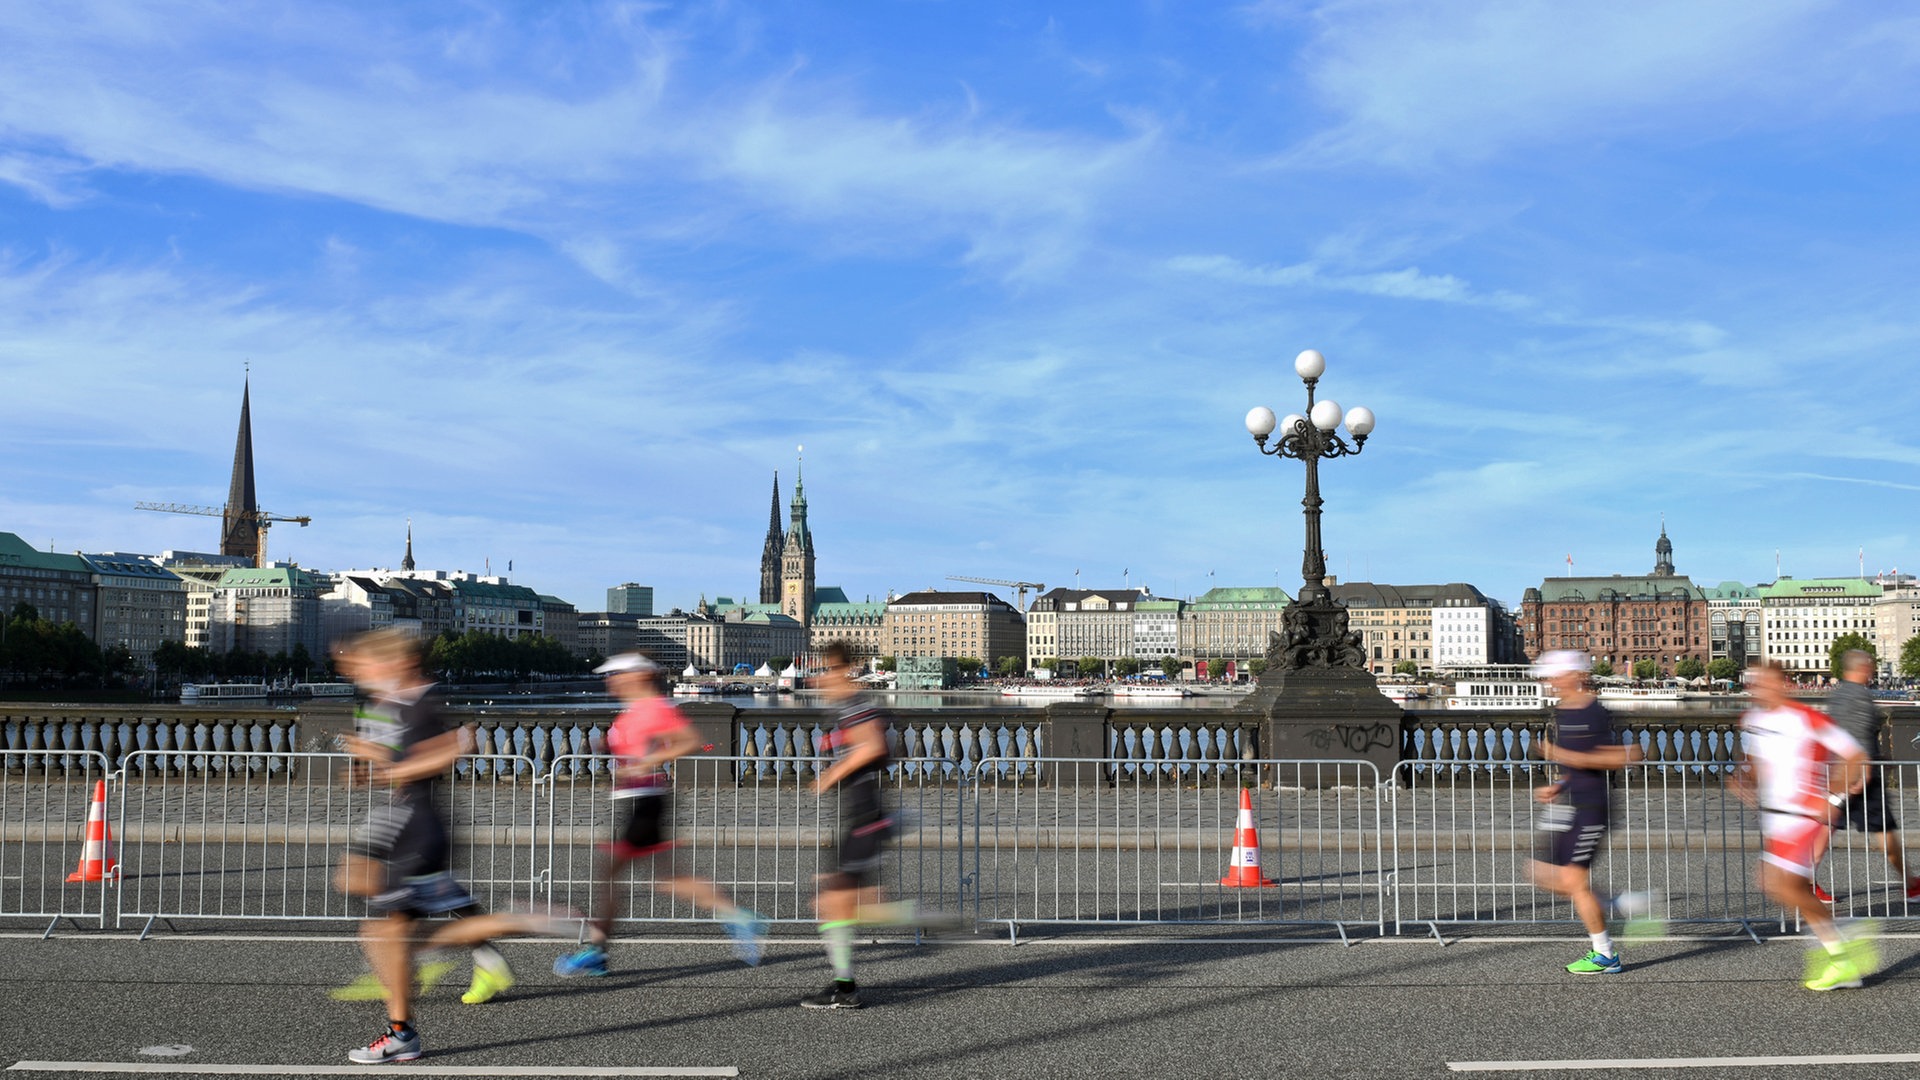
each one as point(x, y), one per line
point(363, 1070)
point(1683, 1063)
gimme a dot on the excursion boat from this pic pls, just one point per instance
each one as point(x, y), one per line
point(1402, 693)
point(1498, 686)
point(1150, 690)
point(204, 693)
point(690, 689)
point(324, 689)
point(1641, 695)
point(1043, 690)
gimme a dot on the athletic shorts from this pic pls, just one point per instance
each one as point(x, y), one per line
point(422, 897)
point(858, 858)
point(1570, 835)
point(1792, 842)
point(648, 829)
point(410, 839)
point(1868, 810)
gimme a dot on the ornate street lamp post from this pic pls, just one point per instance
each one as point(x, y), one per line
point(1314, 628)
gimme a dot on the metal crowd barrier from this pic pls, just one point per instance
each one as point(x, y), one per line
point(45, 797)
point(760, 836)
point(1011, 841)
point(1118, 842)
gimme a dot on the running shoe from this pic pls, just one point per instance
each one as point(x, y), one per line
point(839, 994)
point(1913, 888)
point(490, 980)
point(1596, 964)
point(1839, 974)
point(1862, 949)
point(431, 972)
point(1821, 894)
point(588, 961)
point(365, 988)
point(390, 1046)
point(749, 933)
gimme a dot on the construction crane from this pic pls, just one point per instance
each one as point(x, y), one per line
point(261, 520)
point(1019, 587)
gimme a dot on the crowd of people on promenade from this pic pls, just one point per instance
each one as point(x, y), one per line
point(1807, 772)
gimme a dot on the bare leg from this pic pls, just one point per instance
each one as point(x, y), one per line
point(1896, 854)
point(1795, 893)
point(699, 892)
point(600, 927)
point(389, 948)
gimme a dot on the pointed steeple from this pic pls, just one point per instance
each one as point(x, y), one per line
point(770, 550)
point(797, 513)
point(406, 563)
point(240, 524)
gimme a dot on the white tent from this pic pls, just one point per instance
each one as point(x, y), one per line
point(691, 672)
point(763, 671)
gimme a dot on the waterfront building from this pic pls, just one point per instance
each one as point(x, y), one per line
point(719, 639)
point(200, 573)
point(1231, 623)
point(1803, 616)
point(663, 637)
point(1734, 623)
point(1896, 617)
point(560, 620)
point(609, 633)
point(1451, 625)
point(138, 604)
point(61, 588)
point(352, 605)
point(630, 599)
point(858, 623)
point(938, 623)
point(1070, 624)
point(1465, 623)
point(1156, 630)
point(267, 609)
point(1660, 617)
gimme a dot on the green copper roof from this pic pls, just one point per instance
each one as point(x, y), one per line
point(850, 610)
point(1789, 588)
point(1228, 595)
point(266, 577)
point(17, 552)
point(1731, 590)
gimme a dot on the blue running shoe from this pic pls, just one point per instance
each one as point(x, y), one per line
point(749, 932)
point(590, 961)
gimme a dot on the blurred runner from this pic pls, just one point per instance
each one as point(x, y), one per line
point(850, 893)
point(491, 975)
point(400, 856)
point(1851, 706)
point(1799, 770)
point(1576, 810)
point(648, 735)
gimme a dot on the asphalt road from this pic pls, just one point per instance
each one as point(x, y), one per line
point(1049, 1008)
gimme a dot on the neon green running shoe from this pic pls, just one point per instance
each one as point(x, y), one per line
point(1596, 964)
point(489, 982)
point(1862, 949)
point(1839, 974)
point(430, 974)
point(365, 988)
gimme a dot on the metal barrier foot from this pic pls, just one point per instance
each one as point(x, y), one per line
point(1013, 932)
point(1344, 940)
point(1434, 929)
point(1748, 927)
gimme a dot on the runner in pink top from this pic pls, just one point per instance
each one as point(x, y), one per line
point(1799, 770)
point(648, 735)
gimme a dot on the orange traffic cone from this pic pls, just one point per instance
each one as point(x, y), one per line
point(95, 863)
point(1244, 871)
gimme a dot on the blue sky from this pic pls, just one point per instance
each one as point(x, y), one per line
point(565, 284)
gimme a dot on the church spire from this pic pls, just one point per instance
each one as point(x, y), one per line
point(1663, 552)
point(240, 524)
point(406, 563)
point(770, 550)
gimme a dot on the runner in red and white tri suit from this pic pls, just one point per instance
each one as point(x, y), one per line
point(1800, 768)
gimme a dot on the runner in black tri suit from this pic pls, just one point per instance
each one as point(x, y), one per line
point(400, 856)
point(850, 891)
point(1575, 810)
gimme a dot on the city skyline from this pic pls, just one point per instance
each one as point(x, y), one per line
point(566, 290)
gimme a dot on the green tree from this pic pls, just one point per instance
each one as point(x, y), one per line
point(1007, 666)
point(1646, 669)
point(1126, 667)
point(300, 661)
point(969, 667)
point(888, 663)
point(1603, 669)
point(1171, 667)
point(1689, 668)
point(1217, 670)
point(1723, 669)
point(779, 663)
point(1406, 667)
point(1051, 663)
point(1089, 666)
point(1257, 665)
point(1840, 647)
